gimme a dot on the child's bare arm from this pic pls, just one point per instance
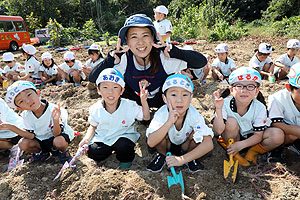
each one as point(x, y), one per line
point(144, 102)
point(56, 115)
point(21, 132)
point(88, 136)
point(218, 124)
point(251, 141)
point(200, 150)
point(288, 129)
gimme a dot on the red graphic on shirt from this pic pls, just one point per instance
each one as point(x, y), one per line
point(49, 125)
point(187, 133)
point(265, 121)
point(123, 122)
point(29, 66)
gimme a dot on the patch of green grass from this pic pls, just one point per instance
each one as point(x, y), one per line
point(263, 29)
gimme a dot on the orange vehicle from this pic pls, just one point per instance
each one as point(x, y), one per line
point(13, 32)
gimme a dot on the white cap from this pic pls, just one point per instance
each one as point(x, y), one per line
point(95, 47)
point(293, 44)
point(188, 47)
point(69, 56)
point(161, 9)
point(265, 48)
point(221, 48)
point(46, 55)
point(8, 56)
point(29, 49)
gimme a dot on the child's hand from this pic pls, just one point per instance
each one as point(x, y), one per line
point(234, 148)
point(143, 92)
point(173, 161)
point(83, 142)
point(56, 112)
point(4, 125)
point(44, 78)
point(114, 53)
point(218, 101)
point(173, 114)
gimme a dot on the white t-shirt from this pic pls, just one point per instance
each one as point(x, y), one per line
point(254, 119)
point(17, 67)
point(77, 65)
point(50, 71)
point(9, 116)
point(170, 65)
point(285, 60)
point(42, 127)
point(111, 127)
point(163, 27)
point(193, 122)
point(282, 108)
point(92, 64)
point(32, 66)
point(225, 67)
point(257, 64)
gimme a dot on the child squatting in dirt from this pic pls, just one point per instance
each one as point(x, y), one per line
point(183, 133)
point(45, 125)
point(112, 120)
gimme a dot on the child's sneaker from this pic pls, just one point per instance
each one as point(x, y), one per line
point(275, 155)
point(40, 157)
point(195, 166)
point(125, 165)
point(295, 147)
point(157, 163)
point(64, 156)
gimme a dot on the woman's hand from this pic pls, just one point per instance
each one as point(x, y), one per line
point(163, 44)
point(114, 53)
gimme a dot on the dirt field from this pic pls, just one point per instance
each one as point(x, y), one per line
point(104, 181)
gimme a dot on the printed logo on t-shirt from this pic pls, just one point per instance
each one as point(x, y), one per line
point(123, 122)
point(187, 133)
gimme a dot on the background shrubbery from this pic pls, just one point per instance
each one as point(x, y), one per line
point(192, 19)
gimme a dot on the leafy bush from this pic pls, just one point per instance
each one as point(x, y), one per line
point(90, 31)
point(224, 31)
point(281, 8)
point(32, 24)
point(289, 27)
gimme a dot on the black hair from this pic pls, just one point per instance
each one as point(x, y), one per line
point(22, 51)
point(92, 51)
point(293, 87)
point(73, 60)
point(259, 97)
point(52, 64)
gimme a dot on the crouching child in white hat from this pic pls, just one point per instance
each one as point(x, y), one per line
point(46, 129)
point(96, 56)
point(12, 69)
point(112, 120)
point(177, 127)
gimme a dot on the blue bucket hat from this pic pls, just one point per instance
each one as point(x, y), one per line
point(138, 20)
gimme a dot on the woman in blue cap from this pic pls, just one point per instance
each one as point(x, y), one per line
point(146, 62)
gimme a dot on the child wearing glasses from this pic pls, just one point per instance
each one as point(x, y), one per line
point(12, 69)
point(243, 117)
point(71, 70)
point(285, 61)
point(261, 60)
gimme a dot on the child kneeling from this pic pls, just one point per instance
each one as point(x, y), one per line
point(243, 118)
point(112, 120)
point(179, 128)
point(46, 129)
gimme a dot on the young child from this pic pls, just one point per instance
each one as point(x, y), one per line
point(201, 73)
point(162, 25)
point(96, 56)
point(284, 107)
point(285, 61)
point(32, 66)
point(243, 118)
point(12, 69)
point(8, 138)
point(261, 60)
point(46, 129)
point(222, 66)
point(179, 128)
point(112, 120)
point(71, 70)
point(48, 69)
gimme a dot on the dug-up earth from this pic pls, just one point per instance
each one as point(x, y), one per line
point(89, 180)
